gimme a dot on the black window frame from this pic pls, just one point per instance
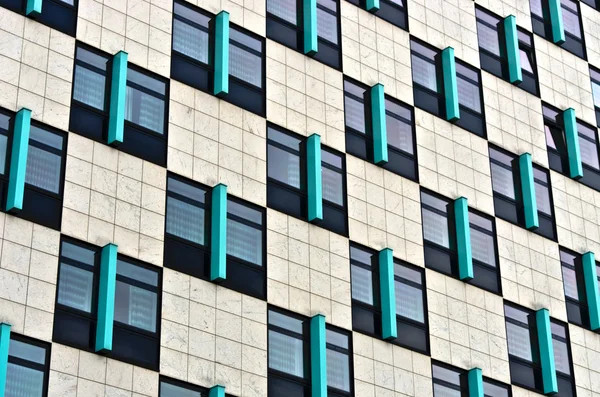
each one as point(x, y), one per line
point(498, 65)
point(542, 27)
point(595, 79)
point(52, 13)
point(44, 368)
point(435, 102)
point(389, 11)
point(512, 210)
point(294, 201)
point(124, 336)
point(204, 392)
point(463, 386)
point(595, 4)
point(292, 36)
point(178, 250)
point(360, 144)
point(366, 318)
point(92, 123)
point(200, 75)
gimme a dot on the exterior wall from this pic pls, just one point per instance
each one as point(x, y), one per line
point(503, 8)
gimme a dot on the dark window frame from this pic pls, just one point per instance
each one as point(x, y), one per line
point(463, 378)
point(388, 9)
point(595, 4)
point(595, 79)
point(19, 6)
point(572, 44)
point(44, 368)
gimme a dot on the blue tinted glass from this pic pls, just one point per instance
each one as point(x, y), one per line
point(169, 390)
point(23, 381)
point(244, 242)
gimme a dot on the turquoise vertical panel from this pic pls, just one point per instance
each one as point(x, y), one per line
point(388, 294)
point(218, 242)
point(450, 84)
point(217, 391)
point(590, 275)
point(118, 94)
point(378, 124)
point(544, 333)
point(18, 160)
point(372, 5)
point(315, 184)
point(475, 379)
point(572, 140)
point(556, 20)
point(528, 191)
point(106, 297)
point(4, 347)
point(318, 356)
point(513, 55)
point(463, 239)
point(34, 8)
point(309, 8)
point(221, 83)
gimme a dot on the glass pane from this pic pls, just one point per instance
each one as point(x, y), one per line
point(338, 370)
point(169, 390)
point(333, 186)
point(526, 62)
point(70, 2)
point(137, 273)
point(336, 338)
point(571, 21)
point(286, 322)
point(27, 351)
point(286, 354)
point(244, 212)
point(519, 343)
point(190, 40)
point(446, 375)
point(407, 273)
point(23, 382)
point(491, 390)
point(536, 8)
point(43, 169)
point(360, 255)
point(468, 94)
point(80, 254)
point(327, 26)
point(143, 80)
point(561, 357)
point(435, 228)
point(3, 143)
point(75, 287)
point(284, 9)
point(596, 92)
point(145, 110)
point(362, 284)
point(284, 139)
point(589, 153)
point(135, 306)
point(284, 166)
point(409, 302)
point(488, 38)
point(444, 391)
point(355, 114)
point(185, 220)
point(482, 245)
point(89, 87)
point(502, 181)
point(542, 198)
point(423, 73)
point(332, 159)
point(185, 189)
point(245, 66)
point(244, 242)
point(399, 134)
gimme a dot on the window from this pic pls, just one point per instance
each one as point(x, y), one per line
point(440, 242)
point(506, 184)
point(136, 311)
point(493, 56)
point(524, 355)
point(176, 388)
point(28, 367)
point(574, 42)
point(411, 306)
point(45, 171)
point(428, 91)
point(187, 237)
point(287, 180)
point(146, 105)
point(57, 14)
point(193, 55)
point(558, 157)
point(595, 76)
point(285, 26)
point(289, 357)
point(450, 381)
point(393, 11)
point(592, 3)
point(402, 154)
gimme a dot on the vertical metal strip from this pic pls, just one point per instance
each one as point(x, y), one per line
point(378, 124)
point(542, 319)
point(318, 356)
point(218, 246)
point(221, 83)
point(513, 54)
point(106, 298)
point(18, 161)
point(118, 96)
point(450, 84)
point(528, 191)
point(463, 239)
point(314, 178)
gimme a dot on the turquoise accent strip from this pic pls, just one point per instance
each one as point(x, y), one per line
point(372, 5)
point(528, 191)
point(106, 298)
point(221, 54)
point(513, 54)
point(18, 161)
point(4, 348)
point(118, 94)
point(33, 9)
point(388, 294)
point(450, 84)
point(380, 147)
point(311, 45)
point(542, 319)
point(318, 356)
point(217, 391)
point(475, 379)
point(315, 184)
point(556, 20)
point(590, 275)
point(463, 239)
point(572, 140)
point(218, 244)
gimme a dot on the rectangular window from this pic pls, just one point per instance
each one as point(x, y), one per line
point(176, 388)
point(146, 105)
point(428, 89)
point(558, 157)
point(493, 56)
point(402, 154)
point(28, 367)
point(56, 14)
point(45, 171)
point(193, 56)
point(523, 351)
point(440, 242)
point(285, 25)
point(393, 11)
point(411, 308)
point(187, 237)
point(592, 3)
point(595, 77)
point(286, 182)
point(574, 40)
point(449, 381)
point(506, 184)
point(136, 311)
